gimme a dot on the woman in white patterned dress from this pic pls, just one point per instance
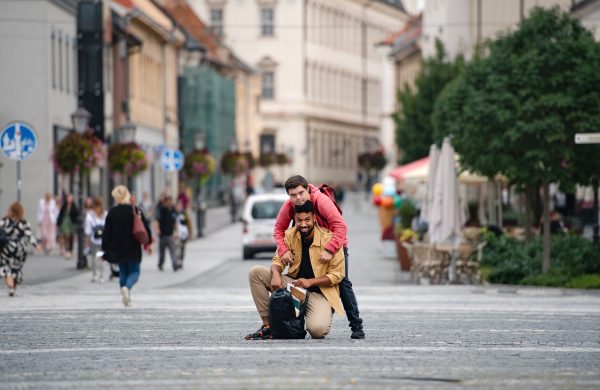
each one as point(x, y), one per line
point(14, 246)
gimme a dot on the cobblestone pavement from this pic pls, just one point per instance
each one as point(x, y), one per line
point(188, 332)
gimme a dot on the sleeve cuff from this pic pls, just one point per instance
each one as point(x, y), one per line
point(330, 252)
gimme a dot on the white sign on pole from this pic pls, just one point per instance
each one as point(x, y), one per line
point(18, 141)
point(587, 138)
point(171, 160)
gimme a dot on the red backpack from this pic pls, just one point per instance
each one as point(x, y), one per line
point(330, 193)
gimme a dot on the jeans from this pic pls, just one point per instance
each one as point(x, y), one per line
point(349, 299)
point(129, 272)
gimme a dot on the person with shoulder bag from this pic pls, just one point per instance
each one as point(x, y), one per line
point(126, 229)
point(94, 232)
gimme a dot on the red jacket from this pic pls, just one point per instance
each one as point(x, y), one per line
point(327, 216)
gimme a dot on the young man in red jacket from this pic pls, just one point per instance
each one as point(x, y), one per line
point(328, 216)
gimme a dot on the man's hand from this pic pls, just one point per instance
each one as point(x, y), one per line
point(303, 283)
point(276, 282)
point(325, 257)
point(287, 258)
point(157, 232)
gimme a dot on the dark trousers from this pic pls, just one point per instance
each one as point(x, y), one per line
point(349, 299)
point(167, 242)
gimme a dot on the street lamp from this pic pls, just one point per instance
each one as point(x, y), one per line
point(199, 145)
point(81, 119)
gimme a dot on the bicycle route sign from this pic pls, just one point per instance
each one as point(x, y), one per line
point(171, 160)
point(18, 141)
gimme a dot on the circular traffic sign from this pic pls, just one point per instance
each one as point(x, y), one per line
point(18, 141)
point(171, 160)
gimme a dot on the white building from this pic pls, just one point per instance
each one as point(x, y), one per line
point(463, 24)
point(38, 81)
point(589, 13)
point(321, 75)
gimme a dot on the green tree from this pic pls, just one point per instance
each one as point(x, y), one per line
point(414, 131)
point(516, 111)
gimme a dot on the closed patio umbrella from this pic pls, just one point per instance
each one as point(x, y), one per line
point(429, 184)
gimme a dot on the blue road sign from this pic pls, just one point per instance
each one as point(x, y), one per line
point(18, 141)
point(171, 160)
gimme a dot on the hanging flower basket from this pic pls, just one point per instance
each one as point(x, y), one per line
point(251, 160)
point(265, 160)
point(78, 153)
point(234, 163)
point(198, 163)
point(127, 159)
point(282, 159)
point(370, 161)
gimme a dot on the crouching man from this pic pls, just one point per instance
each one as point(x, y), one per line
point(306, 241)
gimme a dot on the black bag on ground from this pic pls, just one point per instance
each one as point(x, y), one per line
point(282, 316)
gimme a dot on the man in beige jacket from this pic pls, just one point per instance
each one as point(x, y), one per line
point(306, 241)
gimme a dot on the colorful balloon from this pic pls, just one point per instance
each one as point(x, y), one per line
point(387, 201)
point(389, 191)
point(377, 189)
point(397, 201)
point(377, 200)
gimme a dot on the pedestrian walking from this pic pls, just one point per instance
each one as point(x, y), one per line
point(164, 225)
point(120, 245)
point(46, 216)
point(17, 236)
point(94, 231)
point(147, 205)
point(88, 205)
point(67, 224)
point(183, 196)
point(59, 237)
point(184, 230)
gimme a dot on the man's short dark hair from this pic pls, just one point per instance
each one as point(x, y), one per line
point(307, 207)
point(294, 182)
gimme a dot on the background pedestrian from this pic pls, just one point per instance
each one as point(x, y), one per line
point(46, 216)
point(147, 205)
point(184, 230)
point(67, 223)
point(59, 237)
point(164, 225)
point(94, 231)
point(120, 245)
point(14, 249)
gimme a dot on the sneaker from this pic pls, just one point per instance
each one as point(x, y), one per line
point(358, 334)
point(125, 294)
point(160, 267)
point(11, 292)
point(101, 280)
point(94, 279)
point(264, 333)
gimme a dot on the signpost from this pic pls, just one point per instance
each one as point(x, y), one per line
point(171, 160)
point(18, 141)
point(591, 138)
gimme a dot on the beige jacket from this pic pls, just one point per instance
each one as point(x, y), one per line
point(335, 270)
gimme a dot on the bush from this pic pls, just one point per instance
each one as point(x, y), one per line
point(514, 262)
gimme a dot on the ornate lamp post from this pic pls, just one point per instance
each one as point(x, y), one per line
point(200, 144)
point(81, 119)
point(127, 134)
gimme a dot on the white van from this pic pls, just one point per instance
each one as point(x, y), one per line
point(260, 214)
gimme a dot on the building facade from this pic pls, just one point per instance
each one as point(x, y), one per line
point(462, 25)
point(320, 75)
point(589, 13)
point(38, 78)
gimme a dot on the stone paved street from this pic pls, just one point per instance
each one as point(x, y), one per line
point(186, 330)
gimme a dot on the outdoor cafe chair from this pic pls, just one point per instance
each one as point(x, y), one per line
point(474, 267)
point(425, 259)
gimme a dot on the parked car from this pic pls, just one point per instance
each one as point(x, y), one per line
point(260, 213)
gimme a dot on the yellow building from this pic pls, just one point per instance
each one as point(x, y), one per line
point(153, 90)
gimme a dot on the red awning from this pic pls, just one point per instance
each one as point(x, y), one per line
point(399, 172)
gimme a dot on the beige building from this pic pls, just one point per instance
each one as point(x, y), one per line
point(153, 90)
point(321, 75)
point(463, 24)
point(589, 13)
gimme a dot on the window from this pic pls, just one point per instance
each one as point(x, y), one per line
point(60, 70)
point(267, 143)
point(216, 21)
point(268, 90)
point(67, 64)
point(266, 209)
point(267, 22)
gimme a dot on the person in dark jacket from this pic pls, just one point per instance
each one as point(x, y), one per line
point(67, 224)
point(119, 243)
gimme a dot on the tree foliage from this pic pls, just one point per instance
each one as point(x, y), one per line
point(516, 110)
point(414, 130)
